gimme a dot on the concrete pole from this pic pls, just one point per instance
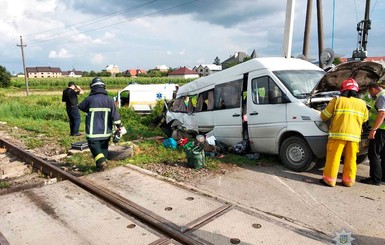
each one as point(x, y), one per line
point(289, 21)
point(306, 38)
point(320, 32)
point(25, 70)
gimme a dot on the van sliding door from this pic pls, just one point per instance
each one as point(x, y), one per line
point(227, 112)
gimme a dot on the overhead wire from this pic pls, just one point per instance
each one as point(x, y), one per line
point(90, 23)
point(120, 22)
point(94, 20)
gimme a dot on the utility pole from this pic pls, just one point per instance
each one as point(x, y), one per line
point(363, 28)
point(306, 38)
point(367, 23)
point(25, 70)
point(320, 31)
point(289, 21)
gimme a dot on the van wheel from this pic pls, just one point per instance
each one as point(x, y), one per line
point(296, 154)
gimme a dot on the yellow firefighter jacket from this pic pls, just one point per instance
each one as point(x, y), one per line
point(347, 116)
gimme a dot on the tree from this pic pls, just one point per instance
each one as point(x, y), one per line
point(337, 61)
point(5, 77)
point(217, 61)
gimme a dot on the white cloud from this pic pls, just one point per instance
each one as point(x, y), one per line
point(182, 52)
point(61, 54)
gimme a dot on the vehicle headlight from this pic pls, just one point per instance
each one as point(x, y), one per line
point(323, 126)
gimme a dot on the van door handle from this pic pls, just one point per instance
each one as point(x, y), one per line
point(254, 113)
point(236, 115)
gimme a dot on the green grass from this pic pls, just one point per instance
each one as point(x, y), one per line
point(3, 184)
point(111, 82)
point(42, 121)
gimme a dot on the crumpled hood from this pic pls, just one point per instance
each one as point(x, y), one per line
point(364, 72)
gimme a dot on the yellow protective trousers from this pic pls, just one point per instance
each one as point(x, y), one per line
point(335, 149)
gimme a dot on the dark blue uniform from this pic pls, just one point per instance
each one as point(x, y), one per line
point(101, 117)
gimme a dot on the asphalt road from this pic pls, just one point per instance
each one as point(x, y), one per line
point(354, 213)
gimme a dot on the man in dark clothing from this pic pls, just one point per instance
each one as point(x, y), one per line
point(70, 97)
point(101, 117)
point(376, 151)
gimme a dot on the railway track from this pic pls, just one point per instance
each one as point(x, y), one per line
point(176, 215)
point(112, 198)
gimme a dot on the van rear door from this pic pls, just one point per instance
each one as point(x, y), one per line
point(266, 113)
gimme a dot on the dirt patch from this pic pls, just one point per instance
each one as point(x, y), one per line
point(182, 173)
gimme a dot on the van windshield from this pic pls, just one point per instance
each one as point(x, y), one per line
point(300, 83)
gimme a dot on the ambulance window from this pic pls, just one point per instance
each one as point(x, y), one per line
point(124, 98)
point(228, 95)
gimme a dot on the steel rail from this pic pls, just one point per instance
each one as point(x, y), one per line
point(106, 195)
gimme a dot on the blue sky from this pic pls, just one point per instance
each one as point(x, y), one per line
point(89, 35)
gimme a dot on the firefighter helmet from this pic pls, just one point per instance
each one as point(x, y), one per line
point(349, 84)
point(97, 82)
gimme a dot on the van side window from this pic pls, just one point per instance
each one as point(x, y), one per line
point(228, 95)
point(183, 104)
point(265, 91)
point(205, 101)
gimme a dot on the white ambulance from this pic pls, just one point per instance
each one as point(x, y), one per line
point(143, 97)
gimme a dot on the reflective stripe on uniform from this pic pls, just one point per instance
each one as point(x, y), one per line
point(349, 137)
point(93, 136)
point(99, 156)
point(348, 111)
point(326, 113)
point(374, 112)
point(92, 111)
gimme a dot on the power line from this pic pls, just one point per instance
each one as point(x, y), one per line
point(95, 20)
point(63, 34)
point(120, 22)
point(89, 23)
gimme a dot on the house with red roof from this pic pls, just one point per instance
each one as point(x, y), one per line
point(134, 72)
point(378, 59)
point(184, 72)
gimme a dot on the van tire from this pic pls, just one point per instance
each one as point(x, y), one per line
point(295, 154)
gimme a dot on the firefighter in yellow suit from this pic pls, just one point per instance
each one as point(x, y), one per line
point(347, 113)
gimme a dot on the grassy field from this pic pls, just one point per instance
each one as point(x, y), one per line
point(111, 82)
point(40, 121)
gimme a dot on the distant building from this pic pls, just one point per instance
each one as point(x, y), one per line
point(379, 59)
point(134, 72)
point(184, 72)
point(113, 69)
point(72, 73)
point(162, 68)
point(237, 58)
point(207, 69)
point(43, 72)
